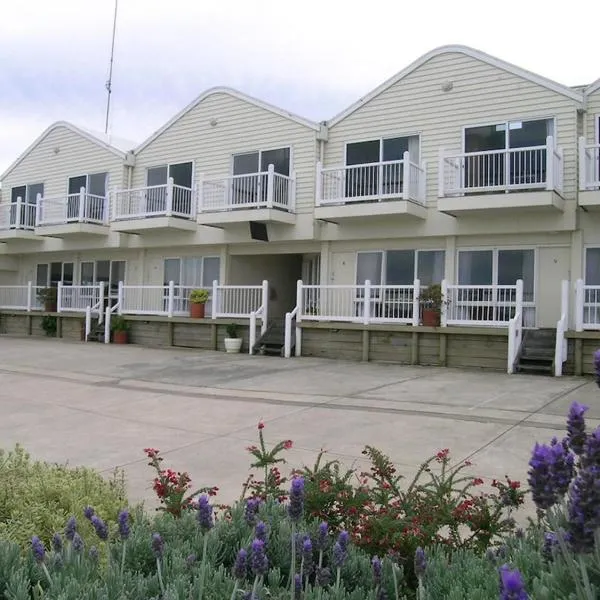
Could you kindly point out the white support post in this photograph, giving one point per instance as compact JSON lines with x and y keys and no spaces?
{"x":120,"y":297}
{"x":406,"y":179}
{"x":319,"y":187}
{"x":169,"y":199}
{"x":29,"y":296}
{"x":215,"y":298}
{"x":105,"y":207}
{"x":564,"y":301}
{"x":441,"y":173}
{"x":17,"y":222}
{"x":367,"y":303}
{"x":415,"y":303}
{"x":107,"y":326}
{"x":171,"y":299}
{"x":292,"y":193}
{"x":88,"y":321}
{"x":265,"y":306}
{"x":101,"y":302}
{"x":200,"y":193}
{"x":423,"y":183}
{"x":582,"y":164}
{"x":550,"y":163}
{"x":444,"y":311}
{"x":519,"y":297}
{"x":38,"y":210}
{"x":380,"y":182}
{"x":81,"y":204}
{"x":579,"y":300}
{"x":270,"y":185}
{"x":506,"y":170}
{"x":59,"y":297}
{"x":300,"y":307}
{"x":287,"y":344}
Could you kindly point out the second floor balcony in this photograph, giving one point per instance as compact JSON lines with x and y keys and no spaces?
{"x":507,"y":179}
{"x":265,"y":196}
{"x":154,"y":208}
{"x":589,"y":175}
{"x":387,"y":188}
{"x":17,"y":221}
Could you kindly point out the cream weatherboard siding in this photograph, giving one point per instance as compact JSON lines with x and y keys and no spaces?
{"x":240,"y":127}
{"x":76,"y":156}
{"x":591,"y":118}
{"x":481,"y":94}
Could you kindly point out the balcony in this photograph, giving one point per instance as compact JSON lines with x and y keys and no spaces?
{"x":267,"y":197}
{"x":589,"y":175}
{"x":501,"y":180}
{"x":17,"y":221}
{"x":72,"y":215}
{"x":384,"y":189}
{"x":155,"y":208}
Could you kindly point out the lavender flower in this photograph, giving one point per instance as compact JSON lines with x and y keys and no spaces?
{"x":205,"y":513}
{"x":584,"y":509}
{"x":251,"y":510}
{"x":77,"y":543}
{"x":57,"y":543}
{"x":420,"y":562}
{"x":541,"y":477}
{"x":307,"y":556}
{"x":71,"y":528}
{"x":591,"y":449}
{"x":343,"y":540}
{"x":511,"y":585}
{"x":123,"y":520}
{"x":37,"y":547}
{"x":88,"y":512}
{"x":376,"y":565}
{"x":260,"y":532}
{"x":323,"y":577}
{"x":576,"y":427}
{"x":158,"y":545}
{"x":297,"y":587}
{"x":296,"y":505}
{"x":94,"y":554}
{"x":322,"y":537}
{"x":240,"y":567}
{"x":563,"y":466}
{"x":597,"y":366}
{"x":259,"y":561}
{"x":100,"y":527}
{"x":339,"y":555}
{"x":550,"y":543}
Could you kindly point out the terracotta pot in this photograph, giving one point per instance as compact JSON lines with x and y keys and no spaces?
{"x":431,"y":317}
{"x":120,"y":337}
{"x":197,"y":310}
{"x":50,"y":306}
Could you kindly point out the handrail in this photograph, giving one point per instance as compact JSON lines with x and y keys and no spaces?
{"x":259,"y":312}
{"x":110,"y":310}
{"x":287,"y":346}
{"x":515,"y":329}
{"x":561,"y":347}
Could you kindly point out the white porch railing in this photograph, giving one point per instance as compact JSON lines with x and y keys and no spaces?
{"x":154,"y":201}
{"x":78,"y":298}
{"x":390,"y":180}
{"x":589,"y":165}
{"x":255,"y":190}
{"x":238,"y":301}
{"x":20,"y":297}
{"x":587,"y":306}
{"x":515,"y":330}
{"x":17,"y":215}
{"x":262,"y":313}
{"x":72,"y":208}
{"x":561,"y":348}
{"x":534,"y":167}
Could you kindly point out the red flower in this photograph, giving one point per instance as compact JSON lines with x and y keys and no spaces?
{"x":478,"y":481}
{"x":261,"y":425}
{"x":251,"y":448}
{"x":468,"y":463}
{"x":151,"y":452}
{"x":442,"y":454}
{"x":287,"y":444}
{"x":515,"y":485}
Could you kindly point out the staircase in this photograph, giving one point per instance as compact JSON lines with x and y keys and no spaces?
{"x":97,"y":332}
{"x":271,"y":343}
{"x":537,"y":352}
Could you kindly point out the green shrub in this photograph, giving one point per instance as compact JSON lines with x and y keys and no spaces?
{"x":37,"y":498}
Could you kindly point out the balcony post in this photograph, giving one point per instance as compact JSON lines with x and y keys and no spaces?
{"x":105,"y":206}
{"x":270,"y":185}
{"x":81,"y":204}
{"x":59,"y":297}
{"x":169,"y":206}
{"x":415,"y":303}
{"x":300,"y":307}
{"x":265,"y":305}
{"x":579,"y":300}
{"x":550,"y":163}
{"x":379,"y":181}
{"x":406,"y":176}
{"x":200,"y":193}
{"x":444,"y":312}
{"x":38,"y":210}
{"x":441,"y":173}
{"x":18,"y":213}
{"x":215,"y":299}
{"x":171,"y":299}
{"x":29,"y":296}
{"x":367,"y":303}
{"x":319,"y":189}
{"x":292,"y":193}
{"x":582,"y":164}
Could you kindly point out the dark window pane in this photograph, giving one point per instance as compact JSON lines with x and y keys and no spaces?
{"x":33,"y":191}
{"x":360,"y":153}
{"x":400,"y":267}
{"x":368,"y":267}
{"x":394,"y":148}
{"x":102,"y":271}
{"x":210,"y":270}
{"x":67,"y":273}
{"x":181,"y":174}
{"x":172,"y":270}
{"x":86,"y":273}
{"x":488,"y":137}
{"x":244,"y":164}
{"x":76,"y":183}
{"x":475,"y":267}
{"x":517,"y":264}
{"x":156,"y":176}
{"x":522,"y":134}
{"x":592,"y":266}
{"x":430,"y":266}
{"x":280,"y":159}
{"x":117,"y":273}
{"x":97,"y":184}
{"x":55,"y":273}
{"x":41,"y":276}
{"x":18,"y":192}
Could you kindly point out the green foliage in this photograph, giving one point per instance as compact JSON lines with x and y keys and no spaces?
{"x":37,"y":498}
{"x":118,"y":323}
{"x":232,"y":330}
{"x":49,"y":325}
{"x":199,"y":296}
{"x":47,"y":295}
{"x":432,"y":297}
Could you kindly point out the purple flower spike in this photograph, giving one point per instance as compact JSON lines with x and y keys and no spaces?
{"x":57,"y":543}
{"x":71,"y":528}
{"x":339,"y":555}
{"x":94,"y":555}
{"x":307,"y":555}
{"x":123,"y":520}
{"x":251,"y":510}
{"x":88,"y":512}
{"x":100,"y":527}
{"x":322,"y":536}
{"x":511,"y":585}
{"x":343,"y":540}
{"x":296,"y":505}
{"x":297,"y":587}
{"x":563,"y":467}
{"x":591,"y":449}
{"x":376,"y":565}
{"x":576,"y":427}
{"x":260,"y":532}
{"x":323,"y":577}
{"x":259,"y":561}
{"x":240,"y":567}
{"x":584,"y":509}
{"x":597,"y":366}
{"x":550,"y":543}
{"x":420,"y":562}
{"x":77,"y":543}
{"x":541,"y":477}
{"x":205,"y":513}
{"x":37,"y":547}
{"x":158,"y":545}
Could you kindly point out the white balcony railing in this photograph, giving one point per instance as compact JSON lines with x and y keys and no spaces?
{"x":238,"y":301}
{"x":534,"y":167}
{"x":255,"y":190}
{"x":17,"y":215}
{"x":589,"y":165}
{"x":78,"y":298}
{"x":167,"y":200}
{"x":390,"y":180}
{"x":72,"y":208}
{"x":587,"y":306}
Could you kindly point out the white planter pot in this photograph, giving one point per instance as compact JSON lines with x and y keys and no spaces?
{"x":233,"y":345}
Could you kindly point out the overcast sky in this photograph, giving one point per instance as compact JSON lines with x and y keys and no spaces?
{"x":313,"y":57}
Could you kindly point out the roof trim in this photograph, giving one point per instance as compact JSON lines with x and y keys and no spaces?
{"x":74,"y":129}
{"x":593,"y":87}
{"x":236,"y":94}
{"x":473,"y":53}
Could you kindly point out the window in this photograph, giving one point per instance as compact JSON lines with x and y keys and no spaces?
{"x":400,"y":267}
{"x":182,"y":175}
{"x":25,"y":217}
{"x":189,"y":273}
{"x":51,"y":274}
{"x":27,"y":193}
{"x":592,"y":266}
{"x":109,"y":272}
{"x":95,"y":185}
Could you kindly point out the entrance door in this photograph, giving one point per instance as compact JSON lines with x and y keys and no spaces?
{"x":554,"y":266}
{"x":75,"y":185}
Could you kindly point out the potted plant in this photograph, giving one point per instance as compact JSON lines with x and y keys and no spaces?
{"x":431,"y":301}
{"x":198,"y":300}
{"x":48,"y":297}
{"x":120,"y":330}
{"x":233,"y":342}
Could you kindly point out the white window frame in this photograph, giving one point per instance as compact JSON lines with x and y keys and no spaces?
{"x":381,"y":139}
{"x":87,"y":181}
{"x":259,"y":152}
{"x":62,"y":270}
{"x":169,"y":165}
{"x":27,"y":199}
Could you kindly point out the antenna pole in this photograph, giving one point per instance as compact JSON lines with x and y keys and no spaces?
{"x":110,"y":69}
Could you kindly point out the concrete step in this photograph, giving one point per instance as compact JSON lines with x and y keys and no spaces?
{"x":539,"y":365}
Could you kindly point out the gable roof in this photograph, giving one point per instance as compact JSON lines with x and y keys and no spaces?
{"x":476,"y":54}
{"x":235,"y":94}
{"x":593,"y":87}
{"x":117,"y":146}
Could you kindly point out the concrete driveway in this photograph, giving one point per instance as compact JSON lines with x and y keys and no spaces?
{"x":100,"y":405}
